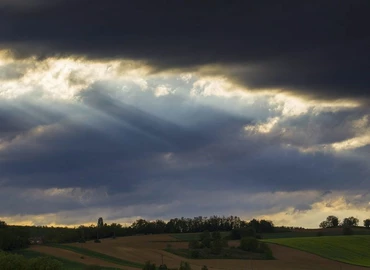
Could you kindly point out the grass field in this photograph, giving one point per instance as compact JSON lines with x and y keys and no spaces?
{"x":348,"y":249}
{"x":313,"y":233}
{"x":67,"y":264}
{"x":94,"y":254}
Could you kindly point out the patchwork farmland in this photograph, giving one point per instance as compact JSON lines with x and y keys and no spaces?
{"x":290,"y":253}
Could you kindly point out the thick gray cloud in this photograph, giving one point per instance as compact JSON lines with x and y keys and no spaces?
{"x":169,"y":136}
{"x":318,"y":48}
{"x":112,"y":153}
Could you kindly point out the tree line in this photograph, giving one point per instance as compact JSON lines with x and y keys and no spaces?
{"x":15,"y":237}
{"x":333,"y":222}
{"x":199,"y":224}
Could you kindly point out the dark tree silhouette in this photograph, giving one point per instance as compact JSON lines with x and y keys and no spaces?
{"x":350,"y":222}
{"x":330,"y":222}
{"x":367,"y":223}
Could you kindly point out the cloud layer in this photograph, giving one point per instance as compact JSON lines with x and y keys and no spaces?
{"x":315,"y":49}
{"x":111,"y":138}
{"x":157,"y":110}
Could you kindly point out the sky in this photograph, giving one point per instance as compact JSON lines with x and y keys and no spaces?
{"x":164,"y":109}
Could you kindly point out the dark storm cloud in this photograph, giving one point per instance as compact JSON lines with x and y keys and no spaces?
{"x":106,"y":142}
{"x":318,"y":48}
{"x":118,"y":154}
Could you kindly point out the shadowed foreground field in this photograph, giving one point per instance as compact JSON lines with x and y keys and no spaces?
{"x":70,"y":261}
{"x":347,"y":249}
{"x":138,"y":249}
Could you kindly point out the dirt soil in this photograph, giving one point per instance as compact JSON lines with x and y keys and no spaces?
{"x":150,"y":247}
{"x":73,"y":256}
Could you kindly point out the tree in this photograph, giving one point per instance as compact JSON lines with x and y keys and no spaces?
{"x":350,"y":222}
{"x":330,"y":222}
{"x":216,"y":235}
{"x":12,"y":261}
{"x":255,"y":224}
{"x":195,"y":244}
{"x":266,"y":226}
{"x":367,"y":223}
{"x":44,"y":263}
{"x":216,"y":246}
{"x":194,"y":254}
{"x":149,"y":266}
{"x":98,"y":228}
{"x":100,"y":222}
{"x":237,"y":234}
{"x":265,"y":249}
{"x":324,"y":224}
{"x":249,"y":244}
{"x":333,"y":221}
{"x":184,"y":266}
{"x":206,"y":239}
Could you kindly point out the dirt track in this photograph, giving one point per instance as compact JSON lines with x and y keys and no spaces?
{"x":144,"y":248}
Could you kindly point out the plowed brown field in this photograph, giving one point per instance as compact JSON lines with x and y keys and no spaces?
{"x":150,"y":247}
{"x":73,"y":256}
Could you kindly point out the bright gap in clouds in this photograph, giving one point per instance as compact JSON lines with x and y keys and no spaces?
{"x":169,"y":133}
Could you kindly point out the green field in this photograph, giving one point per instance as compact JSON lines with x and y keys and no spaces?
{"x":347,"y":249}
{"x":87,"y":252}
{"x":67,"y":264}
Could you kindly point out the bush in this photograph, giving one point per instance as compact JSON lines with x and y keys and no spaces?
{"x":149,"y":266}
{"x":97,"y":241}
{"x":249,"y":244}
{"x":347,"y":231}
{"x":265,"y":249}
{"x":218,"y":245}
{"x":184,"y":266}
{"x":194,"y":254}
{"x":195,"y":244}
{"x":319,"y":234}
{"x":162,"y":267}
{"x":19,"y":262}
{"x":44,"y":263}
{"x":206,"y":239}
{"x":12,"y":261}
{"x":237,"y":234}
{"x":205,"y":235}
{"x":204,"y":267}
{"x":216,"y":235}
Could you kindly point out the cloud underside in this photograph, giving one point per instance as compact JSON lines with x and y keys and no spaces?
{"x":218,"y":114}
{"x":314,"y":49}
{"x":110,"y":136}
